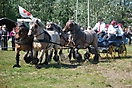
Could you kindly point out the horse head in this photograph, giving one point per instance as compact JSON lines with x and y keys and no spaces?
{"x":21,"y":31}
{"x":70,"y":26}
{"x":35,"y":25}
{"x":50,"y":26}
{"x":53,"y":27}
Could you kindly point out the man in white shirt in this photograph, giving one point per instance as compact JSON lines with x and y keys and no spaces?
{"x":99,"y":27}
{"x":111,"y":28}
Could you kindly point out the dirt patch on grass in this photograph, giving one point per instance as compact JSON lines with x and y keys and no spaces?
{"x":118,"y":74}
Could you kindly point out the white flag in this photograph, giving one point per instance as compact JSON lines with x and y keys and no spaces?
{"x":24,"y":13}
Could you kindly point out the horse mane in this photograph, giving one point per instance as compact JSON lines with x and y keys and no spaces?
{"x":57,"y":26}
{"x":76,"y":24}
{"x":36,"y":20}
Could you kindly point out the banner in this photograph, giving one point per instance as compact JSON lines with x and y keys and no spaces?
{"x":24,"y":13}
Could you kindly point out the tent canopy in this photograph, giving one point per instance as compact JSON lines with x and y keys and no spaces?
{"x":8,"y":22}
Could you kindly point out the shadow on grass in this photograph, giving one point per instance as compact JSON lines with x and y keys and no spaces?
{"x":127,"y":57}
{"x":75,"y":64}
{"x":116,"y":58}
{"x":61,"y":65}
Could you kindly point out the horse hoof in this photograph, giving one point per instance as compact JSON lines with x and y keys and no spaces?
{"x":16,"y":66}
{"x":38,"y":67}
{"x":35,"y":61}
{"x":79,"y":57}
{"x":86,"y":56}
{"x":95,"y":62}
{"x":49,"y":58}
{"x":96,"y":59}
{"x":46,"y":63}
{"x":56,"y":58}
{"x":58,"y":62}
{"x":28,"y":59}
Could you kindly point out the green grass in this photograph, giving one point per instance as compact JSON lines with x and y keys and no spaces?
{"x":107,"y":74}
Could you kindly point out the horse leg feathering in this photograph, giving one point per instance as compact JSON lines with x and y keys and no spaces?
{"x":17,"y":60}
{"x":27,"y":58}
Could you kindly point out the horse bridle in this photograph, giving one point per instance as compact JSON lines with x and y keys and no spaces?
{"x":20,"y":40}
{"x":44,"y":32}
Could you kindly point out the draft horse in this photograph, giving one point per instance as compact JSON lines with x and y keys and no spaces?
{"x":22,"y":43}
{"x":43,"y":41}
{"x":64,"y":42}
{"x":82,"y":39}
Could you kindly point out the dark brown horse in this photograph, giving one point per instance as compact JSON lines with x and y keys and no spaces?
{"x":82,"y":39}
{"x":22,"y":43}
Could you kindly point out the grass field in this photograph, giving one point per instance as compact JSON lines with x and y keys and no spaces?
{"x":115,"y":73}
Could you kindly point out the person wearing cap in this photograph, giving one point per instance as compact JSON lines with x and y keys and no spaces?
{"x":111,"y":28}
{"x":5,"y":35}
{"x":114,"y":30}
{"x":99,"y":27}
{"x":106,"y":32}
{"x":119,"y":30}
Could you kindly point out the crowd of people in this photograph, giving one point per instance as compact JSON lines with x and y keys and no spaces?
{"x":4,"y":37}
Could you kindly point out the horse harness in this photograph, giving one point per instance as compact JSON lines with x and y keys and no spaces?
{"x":21,"y":41}
{"x":45,"y":39}
{"x":77,"y":36}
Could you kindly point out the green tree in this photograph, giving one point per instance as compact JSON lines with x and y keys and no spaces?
{"x":64,"y":10}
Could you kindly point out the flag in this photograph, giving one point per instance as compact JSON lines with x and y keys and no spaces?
{"x":24,"y":13}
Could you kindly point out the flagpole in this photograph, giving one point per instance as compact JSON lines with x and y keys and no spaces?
{"x":88,"y":12}
{"x":76,"y":9}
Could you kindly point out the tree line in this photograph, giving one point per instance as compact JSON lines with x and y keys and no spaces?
{"x":60,"y":11}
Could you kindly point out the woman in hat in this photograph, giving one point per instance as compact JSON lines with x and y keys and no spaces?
{"x":5,"y":35}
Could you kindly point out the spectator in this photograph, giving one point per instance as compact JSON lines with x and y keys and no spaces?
{"x":82,"y":28}
{"x":128,"y":33}
{"x":12,"y":36}
{"x":99,"y":28}
{"x":1,"y":40}
{"x":89,"y":28}
{"x":5,"y":35}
